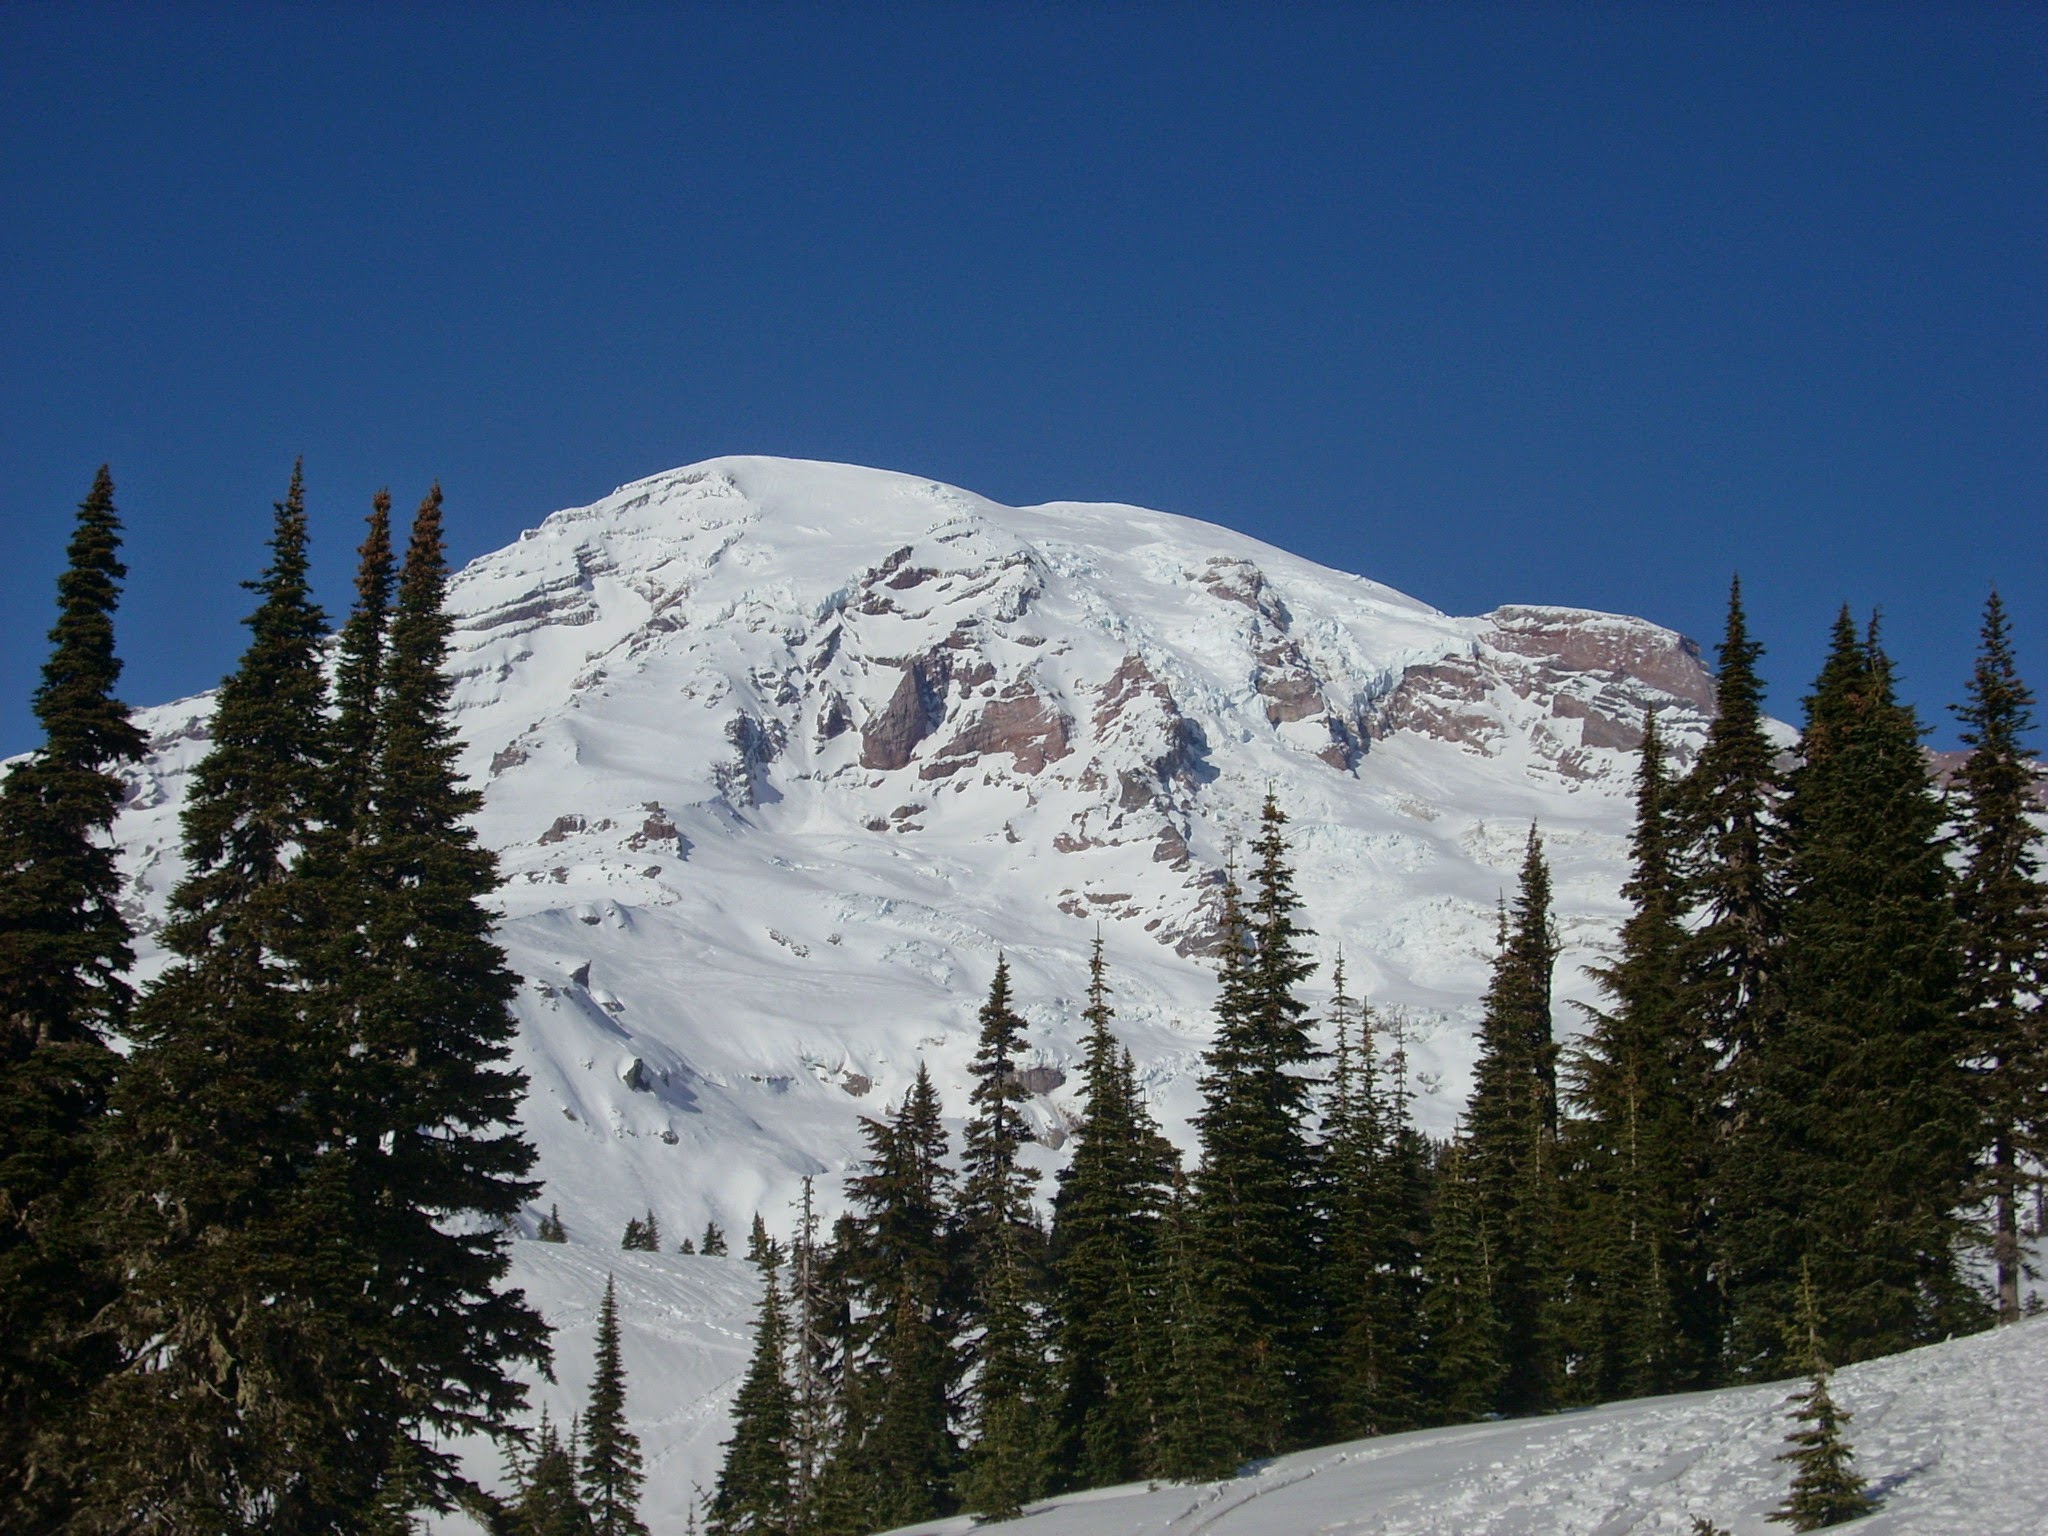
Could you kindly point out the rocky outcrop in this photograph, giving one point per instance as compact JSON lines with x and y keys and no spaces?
{"x":1021,"y":723}
{"x":914,"y":711}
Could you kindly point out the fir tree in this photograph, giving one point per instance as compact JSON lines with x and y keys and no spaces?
{"x":1512,"y":1144}
{"x":610,"y":1473}
{"x":1200,"y":1413}
{"x":64,"y":946}
{"x":1857,"y":1139}
{"x":1638,"y":1155}
{"x":2002,"y":908}
{"x":761,"y":1248}
{"x":1007,"y":1398}
{"x":756,"y":1491}
{"x":551,"y":1229}
{"x":643,"y":1234}
{"x":713,"y":1243}
{"x":1107,"y":1217}
{"x":1464,"y":1341}
{"x":1371,"y":1285}
{"x":425,"y":1103}
{"x":548,"y":1502}
{"x":1826,"y":1489}
{"x":235,"y":1408}
{"x":1256,"y":1233}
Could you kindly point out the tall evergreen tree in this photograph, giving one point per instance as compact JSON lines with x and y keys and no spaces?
{"x":1257,"y":1235}
{"x":1464,"y":1342}
{"x":610,"y":1474}
{"x":1512,"y":1145}
{"x":757,"y":1487}
{"x":64,"y":947}
{"x":1007,"y":1406}
{"x":1372,"y":1278}
{"x":1644,"y":1309}
{"x":897,"y":1449}
{"x":2002,"y":907}
{"x":236,"y":1408}
{"x":548,"y":1502}
{"x":1107,"y":1216}
{"x":1201,"y":1412}
{"x":1856,"y":1144}
{"x":424,"y":1104}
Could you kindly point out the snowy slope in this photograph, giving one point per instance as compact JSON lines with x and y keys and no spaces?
{"x":778,"y":755}
{"x":1949,"y":1439}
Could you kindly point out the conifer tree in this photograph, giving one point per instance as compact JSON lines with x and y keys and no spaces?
{"x":551,"y":1229}
{"x":1371,"y":1286}
{"x":756,"y":1491}
{"x":1106,"y":1253}
{"x":1464,"y":1341}
{"x":549,"y":1503}
{"x":610,"y":1472}
{"x":425,"y":1103}
{"x":64,"y":947}
{"x":713,"y":1243}
{"x":1512,"y":1144}
{"x":761,"y":1248}
{"x":234,"y":1408}
{"x":1257,"y":1235}
{"x":2002,"y":908}
{"x":1007,"y":1407}
{"x":1638,"y":1155}
{"x":1201,"y":1415}
{"x":1855,"y":1148}
{"x":1826,"y":1489}
{"x":897,"y":1457}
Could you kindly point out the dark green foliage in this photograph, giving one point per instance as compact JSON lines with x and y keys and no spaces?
{"x":1512,"y":1145}
{"x":643,"y":1234}
{"x":1007,"y":1407}
{"x":1643,"y":1314}
{"x":2002,"y":908}
{"x":1107,"y":1220}
{"x":1256,"y":1233}
{"x":610,"y":1473}
{"x":762,"y":1250}
{"x":896,"y":1456}
{"x":1826,"y":1489}
{"x":1201,"y":1408}
{"x":713,"y":1242}
{"x":63,"y":948}
{"x":359,"y":675}
{"x":548,"y":1503}
{"x":1372,"y":1279}
{"x":757,"y":1490}
{"x":1463,"y":1338}
{"x":238,"y":1406}
{"x":551,"y":1229}
{"x":1855,"y":1146}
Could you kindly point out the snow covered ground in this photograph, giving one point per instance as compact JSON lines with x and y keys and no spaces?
{"x":1953,"y":1440}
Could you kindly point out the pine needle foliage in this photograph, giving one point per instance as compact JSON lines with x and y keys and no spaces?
{"x":64,"y":947}
{"x":757,"y":1490}
{"x":1826,"y":1489}
{"x":610,"y":1474}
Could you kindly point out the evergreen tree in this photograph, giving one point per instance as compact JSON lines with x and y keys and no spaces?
{"x":1826,"y":1489}
{"x":714,"y":1240}
{"x":424,"y":1104}
{"x":1643,"y":1303}
{"x":1256,"y":1232}
{"x":1005,"y":1462}
{"x":761,"y":1248}
{"x":757,"y":1489}
{"x":1464,"y":1341}
{"x":1512,"y":1144}
{"x":610,"y":1473}
{"x":1107,"y":1217}
{"x":896,"y":1456}
{"x":551,"y":1229}
{"x":64,"y":947}
{"x":2002,"y":908}
{"x":548,"y":1502}
{"x":1856,"y":1144}
{"x":1200,"y":1408}
{"x":1371,"y":1285}
{"x":238,"y":1405}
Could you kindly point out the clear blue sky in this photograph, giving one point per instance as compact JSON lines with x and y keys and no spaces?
{"x":1575,"y":304}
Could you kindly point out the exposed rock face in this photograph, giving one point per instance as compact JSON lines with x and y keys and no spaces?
{"x":913,"y":712}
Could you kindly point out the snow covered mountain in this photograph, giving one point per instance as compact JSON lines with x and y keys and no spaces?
{"x":778,"y":755}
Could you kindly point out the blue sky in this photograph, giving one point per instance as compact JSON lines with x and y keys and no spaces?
{"x":1577,"y":304}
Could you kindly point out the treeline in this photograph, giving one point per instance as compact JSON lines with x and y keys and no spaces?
{"x":1819,"y":1072}
{"x":251,"y":1266}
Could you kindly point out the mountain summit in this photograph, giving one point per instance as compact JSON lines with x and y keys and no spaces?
{"x":778,"y":756}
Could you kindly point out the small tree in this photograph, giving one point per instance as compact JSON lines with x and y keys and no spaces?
{"x":713,"y":1244}
{"x":548,"y":1503}
{"x":551,"y":1229}
{"x":611,"y":1452}
{"x":1826,"y":1489}
{"x":643,"y":1235}
{"x":763,"y":1252}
